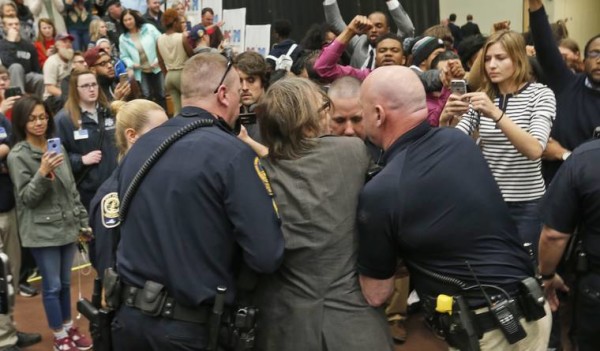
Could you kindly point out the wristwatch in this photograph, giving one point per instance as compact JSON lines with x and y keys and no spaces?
{"x":565,"y":155}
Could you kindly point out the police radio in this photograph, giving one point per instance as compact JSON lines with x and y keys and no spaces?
{"x":504,"y":316}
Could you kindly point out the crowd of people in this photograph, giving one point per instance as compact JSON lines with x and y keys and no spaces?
{"x":353,"y":173}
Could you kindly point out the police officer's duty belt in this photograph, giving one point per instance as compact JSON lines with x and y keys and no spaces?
{"x":167,"y":307}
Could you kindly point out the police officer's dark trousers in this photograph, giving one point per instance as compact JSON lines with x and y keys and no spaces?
{"x":133,"y":330}
{"x":588,"y":312}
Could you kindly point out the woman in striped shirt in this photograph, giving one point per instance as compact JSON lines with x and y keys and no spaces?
{"x":514,"y":118}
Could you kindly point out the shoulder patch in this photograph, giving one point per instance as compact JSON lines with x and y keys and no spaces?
{"x":262,"y":174}
{"x":110,"y":210}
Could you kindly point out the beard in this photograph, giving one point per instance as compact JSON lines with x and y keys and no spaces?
{"x":66,"y":54}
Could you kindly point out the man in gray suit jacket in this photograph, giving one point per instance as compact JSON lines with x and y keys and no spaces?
{"x":362,"y":48}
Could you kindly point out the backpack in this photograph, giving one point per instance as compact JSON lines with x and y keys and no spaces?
{"x":284,"y":61}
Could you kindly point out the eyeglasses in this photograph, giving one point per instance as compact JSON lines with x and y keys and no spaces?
{"x":88,"y":86}
{"x":326,"y":104}
{"x":41,"y":118}
{"x":229,"y":64}
{"x":594,"y":54}
{"x":104,"y":63}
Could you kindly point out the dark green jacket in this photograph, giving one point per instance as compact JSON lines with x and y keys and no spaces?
{"x":49,"y":212}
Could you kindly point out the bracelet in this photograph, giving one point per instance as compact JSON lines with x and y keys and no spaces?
{"x":501,"y":116}
{"x":548,"y":276}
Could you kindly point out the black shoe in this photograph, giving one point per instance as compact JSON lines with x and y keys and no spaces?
{"x":27,"y":339}
{"x":27,"y":290}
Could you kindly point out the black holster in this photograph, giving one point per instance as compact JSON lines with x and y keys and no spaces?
{"x":239,"y":330}
{"x":100,"y":318}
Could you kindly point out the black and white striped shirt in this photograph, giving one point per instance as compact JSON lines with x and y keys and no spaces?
{"x":533,"y":108}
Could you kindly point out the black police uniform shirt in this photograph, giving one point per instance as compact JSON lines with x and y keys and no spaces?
{"x":204,"y":199}
{"x":104,"y":221}
{"x":573,"y":199}
{"x":436,"y":204}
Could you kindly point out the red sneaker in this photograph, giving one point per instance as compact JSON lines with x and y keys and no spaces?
{"x":64,"y":344}
{"x":80,"y":340}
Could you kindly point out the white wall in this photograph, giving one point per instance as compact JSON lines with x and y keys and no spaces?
{"x":582,"y":17}
{"x":486,"y":12}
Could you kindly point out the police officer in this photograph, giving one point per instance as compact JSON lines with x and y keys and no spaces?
{"x":198,"y":212}
{"x":436,"y":205}
{"x":573,"y":202}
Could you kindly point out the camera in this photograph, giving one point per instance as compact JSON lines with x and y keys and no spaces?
{"x":597,"y":133}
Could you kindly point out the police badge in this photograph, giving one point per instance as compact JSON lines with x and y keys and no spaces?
{"x":110,"y":210}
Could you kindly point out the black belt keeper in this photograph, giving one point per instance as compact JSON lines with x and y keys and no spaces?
{"x":166,"y":306}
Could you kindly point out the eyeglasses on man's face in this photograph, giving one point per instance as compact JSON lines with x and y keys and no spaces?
{"x":88,"y":86}
{"x":229,"y":65}
{"x":42,"y":118}
{"x":593,"y":55}
{"x":105,"y":63}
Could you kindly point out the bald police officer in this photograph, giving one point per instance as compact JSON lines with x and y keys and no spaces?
{"x":201,"y":209}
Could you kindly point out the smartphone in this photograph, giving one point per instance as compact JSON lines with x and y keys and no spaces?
{"x":247,"y":118}
{"x":54,"y":145}
{"x":12,"y":91}
{"x":123,"y":77}
{"x":458,"y":87}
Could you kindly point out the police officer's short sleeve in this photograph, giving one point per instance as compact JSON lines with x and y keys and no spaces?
{"x":252,"y":213}
{"x":377,"y":250}
{"x":560,"y":205}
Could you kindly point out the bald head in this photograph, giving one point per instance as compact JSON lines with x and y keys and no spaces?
{"x":393,"y":102}
{"x":346,"y":116}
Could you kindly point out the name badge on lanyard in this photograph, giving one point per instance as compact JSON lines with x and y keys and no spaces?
{"x":81,"y":134}
{"x":3,"y":134}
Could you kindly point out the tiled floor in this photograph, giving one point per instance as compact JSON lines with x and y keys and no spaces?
{"x":30,"y":317}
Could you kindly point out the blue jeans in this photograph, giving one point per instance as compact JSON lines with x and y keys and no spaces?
{"x":526,"y":215}
{"x":81,"y":38}
{"x":55,"y":263}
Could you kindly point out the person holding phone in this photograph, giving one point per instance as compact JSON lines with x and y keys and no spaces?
{"x":513,"y":117}
{"x":7,"y":97}
{"x":50,"y":215}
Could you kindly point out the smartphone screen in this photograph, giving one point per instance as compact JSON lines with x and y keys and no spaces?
{"x":458,"y":87}
{"x":54,"y":145}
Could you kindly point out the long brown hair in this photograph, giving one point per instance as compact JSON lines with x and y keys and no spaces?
{"x":40,"y":36}
{"x":290,"y":118}
{"x":514,"y":44}
{"x":72,"y":103}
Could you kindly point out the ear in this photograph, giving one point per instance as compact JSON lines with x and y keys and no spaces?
{"x":131,"y":136}
{"x":380,"y":115}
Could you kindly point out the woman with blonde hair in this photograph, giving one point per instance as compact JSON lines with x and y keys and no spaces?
{"x":514,"y":118}
{"x":97,"y":31}
{"x":134,"y":119}
{"x":44,"y":44}
{"x":314,"y":301}
{"x":87,"y":130}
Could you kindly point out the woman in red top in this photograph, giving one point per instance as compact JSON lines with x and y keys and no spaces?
{"x":44,"y":43}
